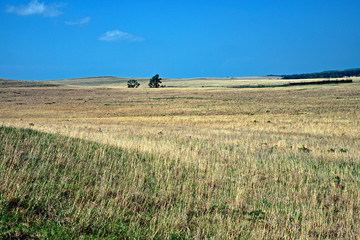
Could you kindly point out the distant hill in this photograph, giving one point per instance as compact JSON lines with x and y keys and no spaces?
{"x":121,"y":82}
{"x":115,"y":82}
{"x":326,"y":74}
{"x":5,"y":83}
{"x":96,"y":81}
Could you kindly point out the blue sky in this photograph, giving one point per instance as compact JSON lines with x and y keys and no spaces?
{"x":46,"y":39}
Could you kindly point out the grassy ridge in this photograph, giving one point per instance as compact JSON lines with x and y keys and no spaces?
{"x":97,"y":81}
{"x":27,"y":84}
{"x":61,"y":188}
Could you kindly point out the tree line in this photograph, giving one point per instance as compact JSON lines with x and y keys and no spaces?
{"x":326,"y":74}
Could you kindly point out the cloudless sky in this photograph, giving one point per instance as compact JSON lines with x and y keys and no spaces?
{"x":50,"y":39}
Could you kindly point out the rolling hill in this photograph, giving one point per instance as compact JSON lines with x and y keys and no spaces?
{"x":5,"y":83}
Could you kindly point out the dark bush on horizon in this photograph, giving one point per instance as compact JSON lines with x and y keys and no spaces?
{"x":133,"y":83}
{"x":155,"y":82}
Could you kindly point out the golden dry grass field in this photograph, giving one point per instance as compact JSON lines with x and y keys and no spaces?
{"x":225,"y":163}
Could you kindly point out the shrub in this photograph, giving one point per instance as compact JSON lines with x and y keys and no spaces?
{"x":133,"y":83}
{"x":331,"y":150}
{"x":304,"y":149}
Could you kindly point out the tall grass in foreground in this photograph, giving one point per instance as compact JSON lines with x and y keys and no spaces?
{"x":62,"y":188}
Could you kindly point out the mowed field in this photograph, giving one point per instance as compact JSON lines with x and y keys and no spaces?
{"x":195,"y":161}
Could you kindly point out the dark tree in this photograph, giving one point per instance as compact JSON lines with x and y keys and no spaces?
{"x":133,"y":83}
{"x":155,"y":81}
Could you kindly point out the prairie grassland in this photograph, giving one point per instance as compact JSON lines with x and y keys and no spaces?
{"x":203,"y":163}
